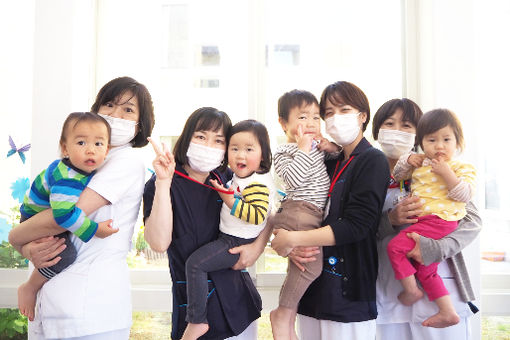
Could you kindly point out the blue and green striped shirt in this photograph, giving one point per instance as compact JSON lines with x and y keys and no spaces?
{"x":59,"y":187}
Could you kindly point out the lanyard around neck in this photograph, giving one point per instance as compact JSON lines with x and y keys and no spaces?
{"x":230,"y":192}
{"x":335,"y":178}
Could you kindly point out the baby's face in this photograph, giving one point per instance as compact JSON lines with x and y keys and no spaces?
{"x":306,"y":116}
{"x":86,"y":145}
{"x":440,"y":145}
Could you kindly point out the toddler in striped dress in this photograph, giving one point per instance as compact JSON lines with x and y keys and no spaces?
{"x":84,"y":143}
{"x":300,"y":165}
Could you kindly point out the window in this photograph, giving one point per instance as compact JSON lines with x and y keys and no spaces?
{"x":493,"y":120}
{"x":243,"y":63}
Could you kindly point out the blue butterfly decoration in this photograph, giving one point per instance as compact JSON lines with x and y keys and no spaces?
{"x":21,"y":151}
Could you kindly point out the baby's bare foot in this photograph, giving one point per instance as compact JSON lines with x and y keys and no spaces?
{"x":442,"y":319}
{"x":26,"y":300}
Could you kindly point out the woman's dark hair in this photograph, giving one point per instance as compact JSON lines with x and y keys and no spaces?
{"x":411,"y":113}
{"x":115,"y":89}
{"x":292,"y":99}
{"x":260,"y":132}
{"x":345,"y":93}
{"x":203,"y":119}
{"x":79,"y":117}
{"x":437,"y":119}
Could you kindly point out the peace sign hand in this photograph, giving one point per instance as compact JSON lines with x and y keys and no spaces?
{"x":164,"y":163}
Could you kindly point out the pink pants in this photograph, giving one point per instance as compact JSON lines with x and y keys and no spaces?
{"x":429,"y":226}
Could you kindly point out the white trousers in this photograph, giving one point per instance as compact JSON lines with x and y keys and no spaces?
{"x":313,"y":329}
{"x":118,"y":334}
{"x":250,"y":333}
{"x":415,"y":331}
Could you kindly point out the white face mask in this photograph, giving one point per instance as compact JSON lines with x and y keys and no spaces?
{"x":343,"y":128}
{"x":123,"y":130}
{"x":395,"y":143}
{"x":202,"y":158}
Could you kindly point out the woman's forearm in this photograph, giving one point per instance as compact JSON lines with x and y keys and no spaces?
{"x":36,"y":227}
{"x":448,"y":246}
{"x":159,"y":225}
{"x":323,"y":236}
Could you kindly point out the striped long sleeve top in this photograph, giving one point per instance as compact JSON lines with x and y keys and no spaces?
{"x":304,"y":175}
{"x":254,"y":200}
{"x":58,"y":187}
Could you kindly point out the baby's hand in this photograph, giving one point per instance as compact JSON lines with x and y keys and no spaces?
{"x":416,"y":160}
{"x":227,"y":198}
{"x":327,"y":146}
{"x":105,"y":229}
{"x":440,"y":167}
{"x":304,"y":141}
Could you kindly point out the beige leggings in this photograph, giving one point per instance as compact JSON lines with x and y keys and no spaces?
{"x":298,"y":216}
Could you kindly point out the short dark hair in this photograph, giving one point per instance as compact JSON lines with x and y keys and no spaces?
{"x":437,"y":119}
{"x":79,"y":117}
{"x":260,"y":132}
{"x":115,"y":89}
{"x":345,"y":93}
{"x":292,"y":99}
{"x":203,"y":119}
{"x":411,"y":113}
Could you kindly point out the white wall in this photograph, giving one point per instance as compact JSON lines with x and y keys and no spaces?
{"x":63,"y":76}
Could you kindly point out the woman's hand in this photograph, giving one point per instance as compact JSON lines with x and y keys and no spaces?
{"x":282,"y":242}
{"x":164,"y":163}
{"x":415,"y":253}
{"x":405,"y":211}
{"x":43,"y":252}
{"x":249,"y":253}
{"x":301,"y":255}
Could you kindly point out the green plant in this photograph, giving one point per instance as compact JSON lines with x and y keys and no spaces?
{"x":10,"y":258}
{"x":13,"y":325}
{"x":140,"y":243}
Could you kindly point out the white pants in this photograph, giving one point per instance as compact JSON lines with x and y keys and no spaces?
{"x":415,"y":331}
{"x":313,"y":329}
{"x":250,"y":333}
{"x":118,"y":334}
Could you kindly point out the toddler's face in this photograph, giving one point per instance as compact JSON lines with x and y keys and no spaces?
{"x":244,"y":154}
{"x":86,"y":145}
{"x":307,"y":116}
{"x":440,"y":145}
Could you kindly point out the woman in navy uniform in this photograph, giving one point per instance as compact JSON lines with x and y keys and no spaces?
{"x":340,"y":304}
{"x":181,"y":213}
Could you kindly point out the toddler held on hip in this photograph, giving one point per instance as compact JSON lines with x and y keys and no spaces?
{"x":300,"y":165}
{"x":84,"y":144}
{"x":243,"y":216}
{"x":444,"y":186}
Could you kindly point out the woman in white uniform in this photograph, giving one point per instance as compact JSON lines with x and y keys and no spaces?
{"x":92,"y":298}
{"x":394,"y":127}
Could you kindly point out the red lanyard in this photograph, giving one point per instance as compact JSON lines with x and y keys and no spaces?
{"x":393,"y":183}
{"x":205,"y":185}
{"x":333,"y":182}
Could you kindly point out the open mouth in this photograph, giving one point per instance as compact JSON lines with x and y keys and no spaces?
{"x":90,"y":162}
{"x":240,"y":166}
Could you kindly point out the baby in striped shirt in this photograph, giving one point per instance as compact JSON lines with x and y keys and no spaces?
{"x":84,"y":143}
{"x":300,"y":165}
